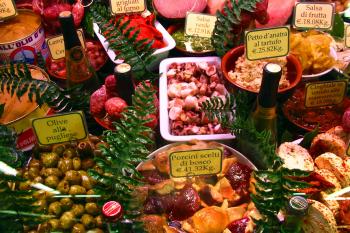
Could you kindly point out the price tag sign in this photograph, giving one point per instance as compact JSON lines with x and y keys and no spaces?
{"x":319,"y":94}
{"x":201,"y":25}
{"x":60,"y":128}
{"x":7,"y":9}
{"x":347,"y":36}
{"x":56,"y":45}
{"x":127,"y":6}
{"x":196,"y":162}
{"x":267,"y":43}
{"x":314,"y":15}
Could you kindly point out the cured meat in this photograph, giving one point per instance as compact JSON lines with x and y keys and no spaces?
{"x":278,"y":13}
{"x":178,"y":9}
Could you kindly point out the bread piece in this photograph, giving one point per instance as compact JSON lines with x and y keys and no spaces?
{"x":336,"y":165}
{"x":326,"y":142}
{"x":331,"y":178}
{"x":320,"y":219}
{"x":295,"y":157}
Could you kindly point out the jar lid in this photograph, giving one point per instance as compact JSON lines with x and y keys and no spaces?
{"x":298,"y":205}
{"x":112,"y":210}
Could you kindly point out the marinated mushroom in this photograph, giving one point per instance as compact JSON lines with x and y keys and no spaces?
{"x":33,"y":172}
{"x":55,"y":224}
{"x":51,"y":171}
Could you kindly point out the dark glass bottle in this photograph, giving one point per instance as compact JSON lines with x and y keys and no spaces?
{"x":296,"y":209}
{"x":265,"y":116}
{"x":125,"y":86}
{"x":79,"y":69}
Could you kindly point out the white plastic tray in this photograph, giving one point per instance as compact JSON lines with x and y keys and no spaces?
{"x":160,"y":54}
{"x":163,"y":100}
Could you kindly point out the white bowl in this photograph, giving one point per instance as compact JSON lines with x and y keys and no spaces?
{"x":307,"y":77}
{"x":163,"y":100}
{"x":160,"y":54}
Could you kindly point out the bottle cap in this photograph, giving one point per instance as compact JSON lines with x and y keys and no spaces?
{"x":122,"y":68}
{"x":297,"y":205}
{"x":112,"y":210}
{"x":267,"y":97}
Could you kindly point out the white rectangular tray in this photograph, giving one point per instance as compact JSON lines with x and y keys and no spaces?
{"x":160,"y":54}
{"x":163,"y":99}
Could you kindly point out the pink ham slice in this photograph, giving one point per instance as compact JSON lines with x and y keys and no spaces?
{"x":278,"y":12}
{"x":177,"y":9}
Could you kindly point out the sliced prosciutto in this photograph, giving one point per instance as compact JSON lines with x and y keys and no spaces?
{"x":278,"y":13}
{"x":177,"y":9}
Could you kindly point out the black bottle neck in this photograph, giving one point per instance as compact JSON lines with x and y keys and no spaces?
{"x":267,"y":97}
{"x":70,"y":35}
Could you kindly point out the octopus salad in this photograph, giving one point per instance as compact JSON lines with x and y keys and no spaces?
{"x":189,"y":85}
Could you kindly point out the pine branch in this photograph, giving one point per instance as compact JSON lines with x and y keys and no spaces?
{"x":127,"y":146}
{"x":17,"y":80}
{"x":119,"y":35}
{"x":223,"y":111}
{"x":224,"y":38}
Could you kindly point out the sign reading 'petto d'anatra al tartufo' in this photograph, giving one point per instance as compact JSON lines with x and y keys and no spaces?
{"x":267,"y":43}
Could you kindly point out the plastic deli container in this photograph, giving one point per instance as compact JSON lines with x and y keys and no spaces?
{"x":160,"y":54}
{"x":22,"y":37}
{"x":163,"y":100}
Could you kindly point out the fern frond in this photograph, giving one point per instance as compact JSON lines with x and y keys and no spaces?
{"x":127,"y":146}
{"x":123,"y":40}
{"x":224,"y":37}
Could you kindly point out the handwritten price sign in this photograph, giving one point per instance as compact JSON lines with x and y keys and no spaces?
{"x":195,"y":162}
{"x":267,"y":43}
{"x":314,"y":15}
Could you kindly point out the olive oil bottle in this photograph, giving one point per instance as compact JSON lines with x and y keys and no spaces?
{"x":79,"y":69}
{"x":125,"y":86}
{"x":265,"y":116}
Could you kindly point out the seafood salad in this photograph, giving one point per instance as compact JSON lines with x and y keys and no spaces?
{"x":189,"y":85}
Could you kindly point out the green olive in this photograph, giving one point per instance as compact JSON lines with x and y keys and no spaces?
{"x":78,"y":210}
{"x":82,"y":172}
{"x":76,"y":163}
{"x":25,"y":174}
{"x":49,"y":159}
{"x":77,"y":189}
{"x":34,"y":163}
{"x":40,"y":205}
{"x":51,"y":172}
{"x":63,"y":187}
{"x":78,"y":228}
{"x":52,"y":181}
{"x":66,"y":203}
{"x":38,"y":179}
{"x":65,"y":164}
{"x":55,"y":224}
{"x":69,"y":153}
{"x":73,"y":177}
{"x":58,"y":149}
{"x":67,"y":220}
{"x":87,"y":163}
{"x":95,"y":230}
{"x":55,"y":208}
{"x":99,"y":221}
{"x":86,"y":182}
{"x":25,"y":185}
{"x":90,"y":199}
{"x":33,"y":172}
{"x":44,"y":228}
{"x":92,"y":208}
{"x":88,"y":221}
